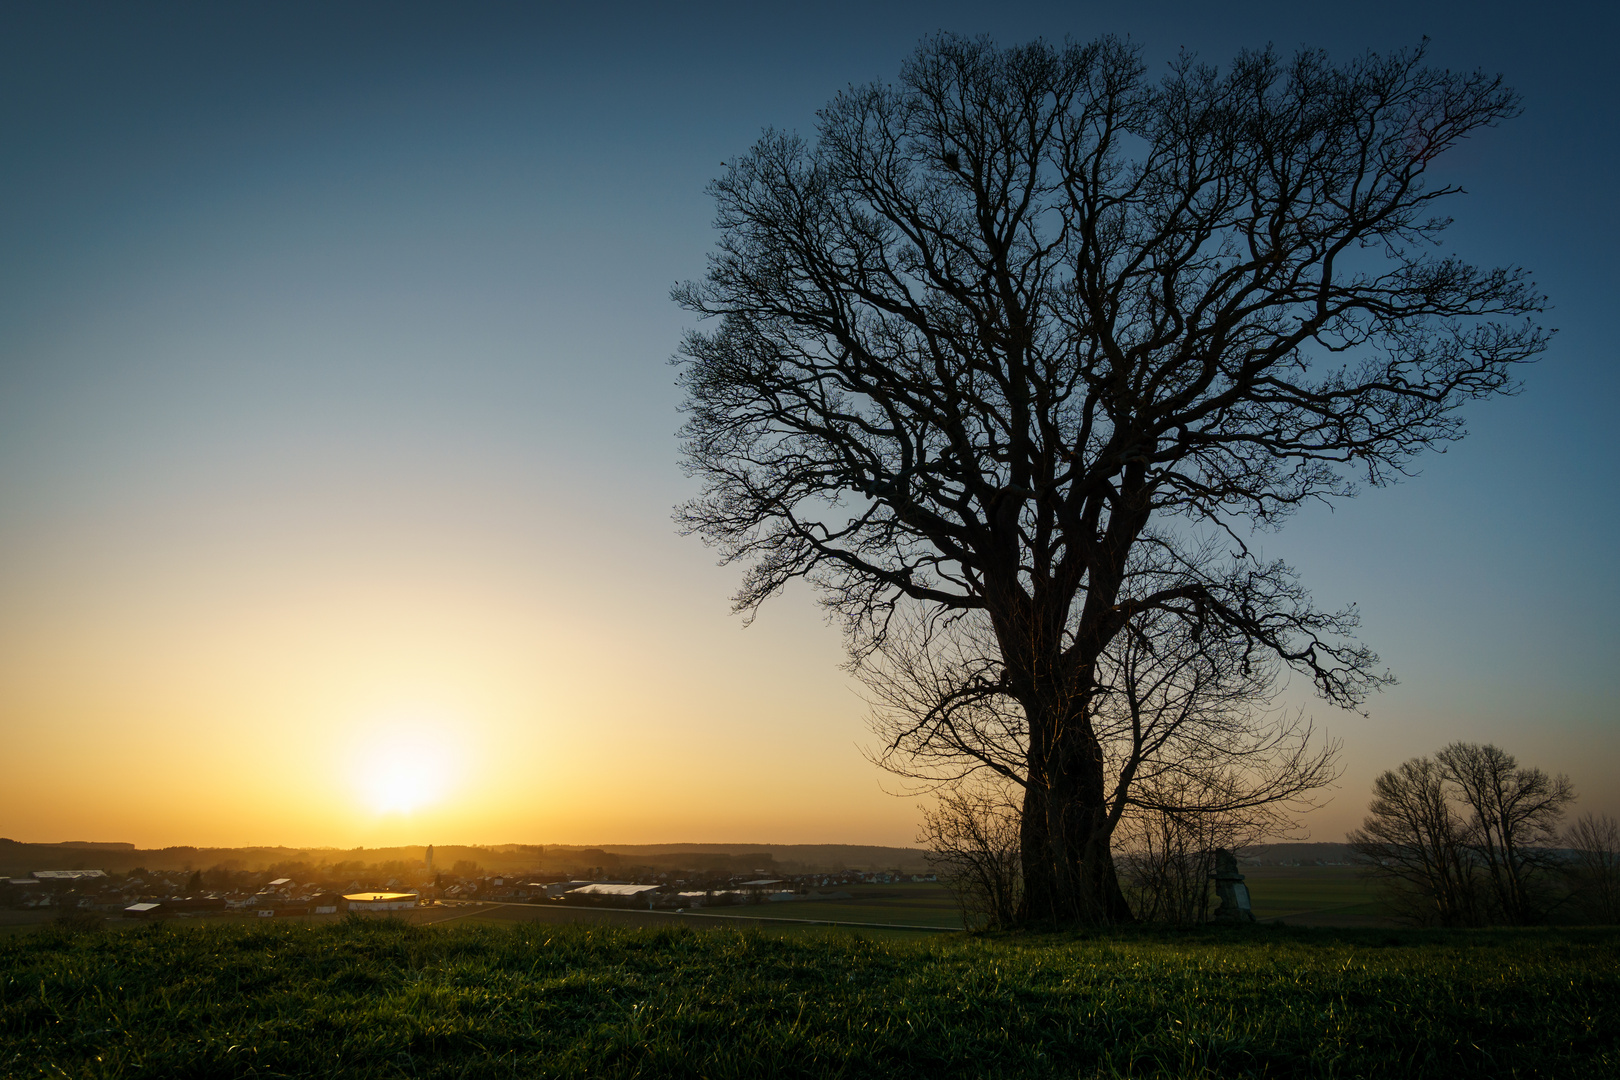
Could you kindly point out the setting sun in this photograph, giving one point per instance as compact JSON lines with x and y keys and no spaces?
{"x":402,"y":766}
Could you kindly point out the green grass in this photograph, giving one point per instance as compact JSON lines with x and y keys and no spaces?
{"x":373,"y":998}
{"x":1315,"y":894}
{"x":911,"y":903}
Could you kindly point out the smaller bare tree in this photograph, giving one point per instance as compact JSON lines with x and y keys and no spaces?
{"x":1413,"y":841}
{"x":972,"y":841}
{"x":1164,"y":866}
{"x":1167,"y":844}
{"x":1514,"y":817}
{"x":1166,"y":859}
{"x":1594,"y":873}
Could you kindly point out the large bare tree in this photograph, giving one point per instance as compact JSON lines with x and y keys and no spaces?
{"x":1003,"y":322}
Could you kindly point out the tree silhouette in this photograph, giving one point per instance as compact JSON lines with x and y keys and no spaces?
{"x":1010,"y":321}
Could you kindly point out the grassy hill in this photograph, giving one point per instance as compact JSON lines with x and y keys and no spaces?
{"x":368,"y":998}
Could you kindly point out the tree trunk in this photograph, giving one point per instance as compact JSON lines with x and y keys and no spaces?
{"x":1065,"y":840}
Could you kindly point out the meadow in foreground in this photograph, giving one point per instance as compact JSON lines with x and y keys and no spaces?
{"x":373,"y":998}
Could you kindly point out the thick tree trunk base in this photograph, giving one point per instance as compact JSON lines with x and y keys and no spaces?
{"x":1072,"y":883}
{"x":1098,"y":901}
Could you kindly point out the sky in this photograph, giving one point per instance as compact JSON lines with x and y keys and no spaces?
{"x":337,"y":435}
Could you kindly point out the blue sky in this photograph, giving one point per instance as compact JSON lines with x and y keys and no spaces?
{"x":333,"y":341}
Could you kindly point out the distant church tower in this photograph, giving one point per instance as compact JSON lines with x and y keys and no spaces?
{"x":430,"y":859}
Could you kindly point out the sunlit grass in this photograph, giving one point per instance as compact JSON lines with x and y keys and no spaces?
{"x":376,"y":998}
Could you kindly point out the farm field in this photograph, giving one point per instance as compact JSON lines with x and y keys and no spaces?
{"x":913,"y":910}
{"x":1314,"y":896}
{"x":909,"y":903}
{"x":899,"y":917}
{"x":1300,"y":896}
{"x":379,"y":997}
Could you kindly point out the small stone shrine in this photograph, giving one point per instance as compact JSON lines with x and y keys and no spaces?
{"x":1229,"y":887}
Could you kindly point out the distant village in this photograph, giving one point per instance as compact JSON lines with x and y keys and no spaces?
{"x":343,"y":888}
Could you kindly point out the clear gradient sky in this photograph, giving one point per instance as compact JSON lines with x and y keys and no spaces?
{"x":337,"y":442}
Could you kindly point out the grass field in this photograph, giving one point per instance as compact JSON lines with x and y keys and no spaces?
{"x":1301,"y":896}
{"x":912,"y":904}
{"x":898,"y":912}
{"x":1315,"y":896}
{"x":381,"y":998}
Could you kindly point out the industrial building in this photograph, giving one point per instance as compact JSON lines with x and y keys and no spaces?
{"x":615,"y":895}
{"x":381,"y":901}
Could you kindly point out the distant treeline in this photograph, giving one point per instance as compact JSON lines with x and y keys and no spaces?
{"x":17,"y":858}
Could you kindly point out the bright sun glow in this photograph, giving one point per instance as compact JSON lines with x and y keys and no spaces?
{"x":403,"y":766}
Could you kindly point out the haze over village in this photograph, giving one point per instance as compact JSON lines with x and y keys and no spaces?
{"x":309,"y":883}
{"x":726,"y":880}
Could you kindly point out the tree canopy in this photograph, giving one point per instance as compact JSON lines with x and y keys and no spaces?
{"x":1006,"y":334}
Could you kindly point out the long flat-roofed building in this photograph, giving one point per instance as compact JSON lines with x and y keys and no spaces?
{"x":68,"y":875}
{"x":613,"y":895}
{"x":381,"y":901}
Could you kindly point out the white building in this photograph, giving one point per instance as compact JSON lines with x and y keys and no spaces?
{"x":602,"y":892}
{"x":67,"y":875}
{"x":381,"y":901}
{"x":557,"y":888}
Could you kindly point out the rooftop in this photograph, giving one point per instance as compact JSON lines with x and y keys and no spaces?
{"x":601,"y":889}
{"x":379,"y":897}
{"x":67,"y":875}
